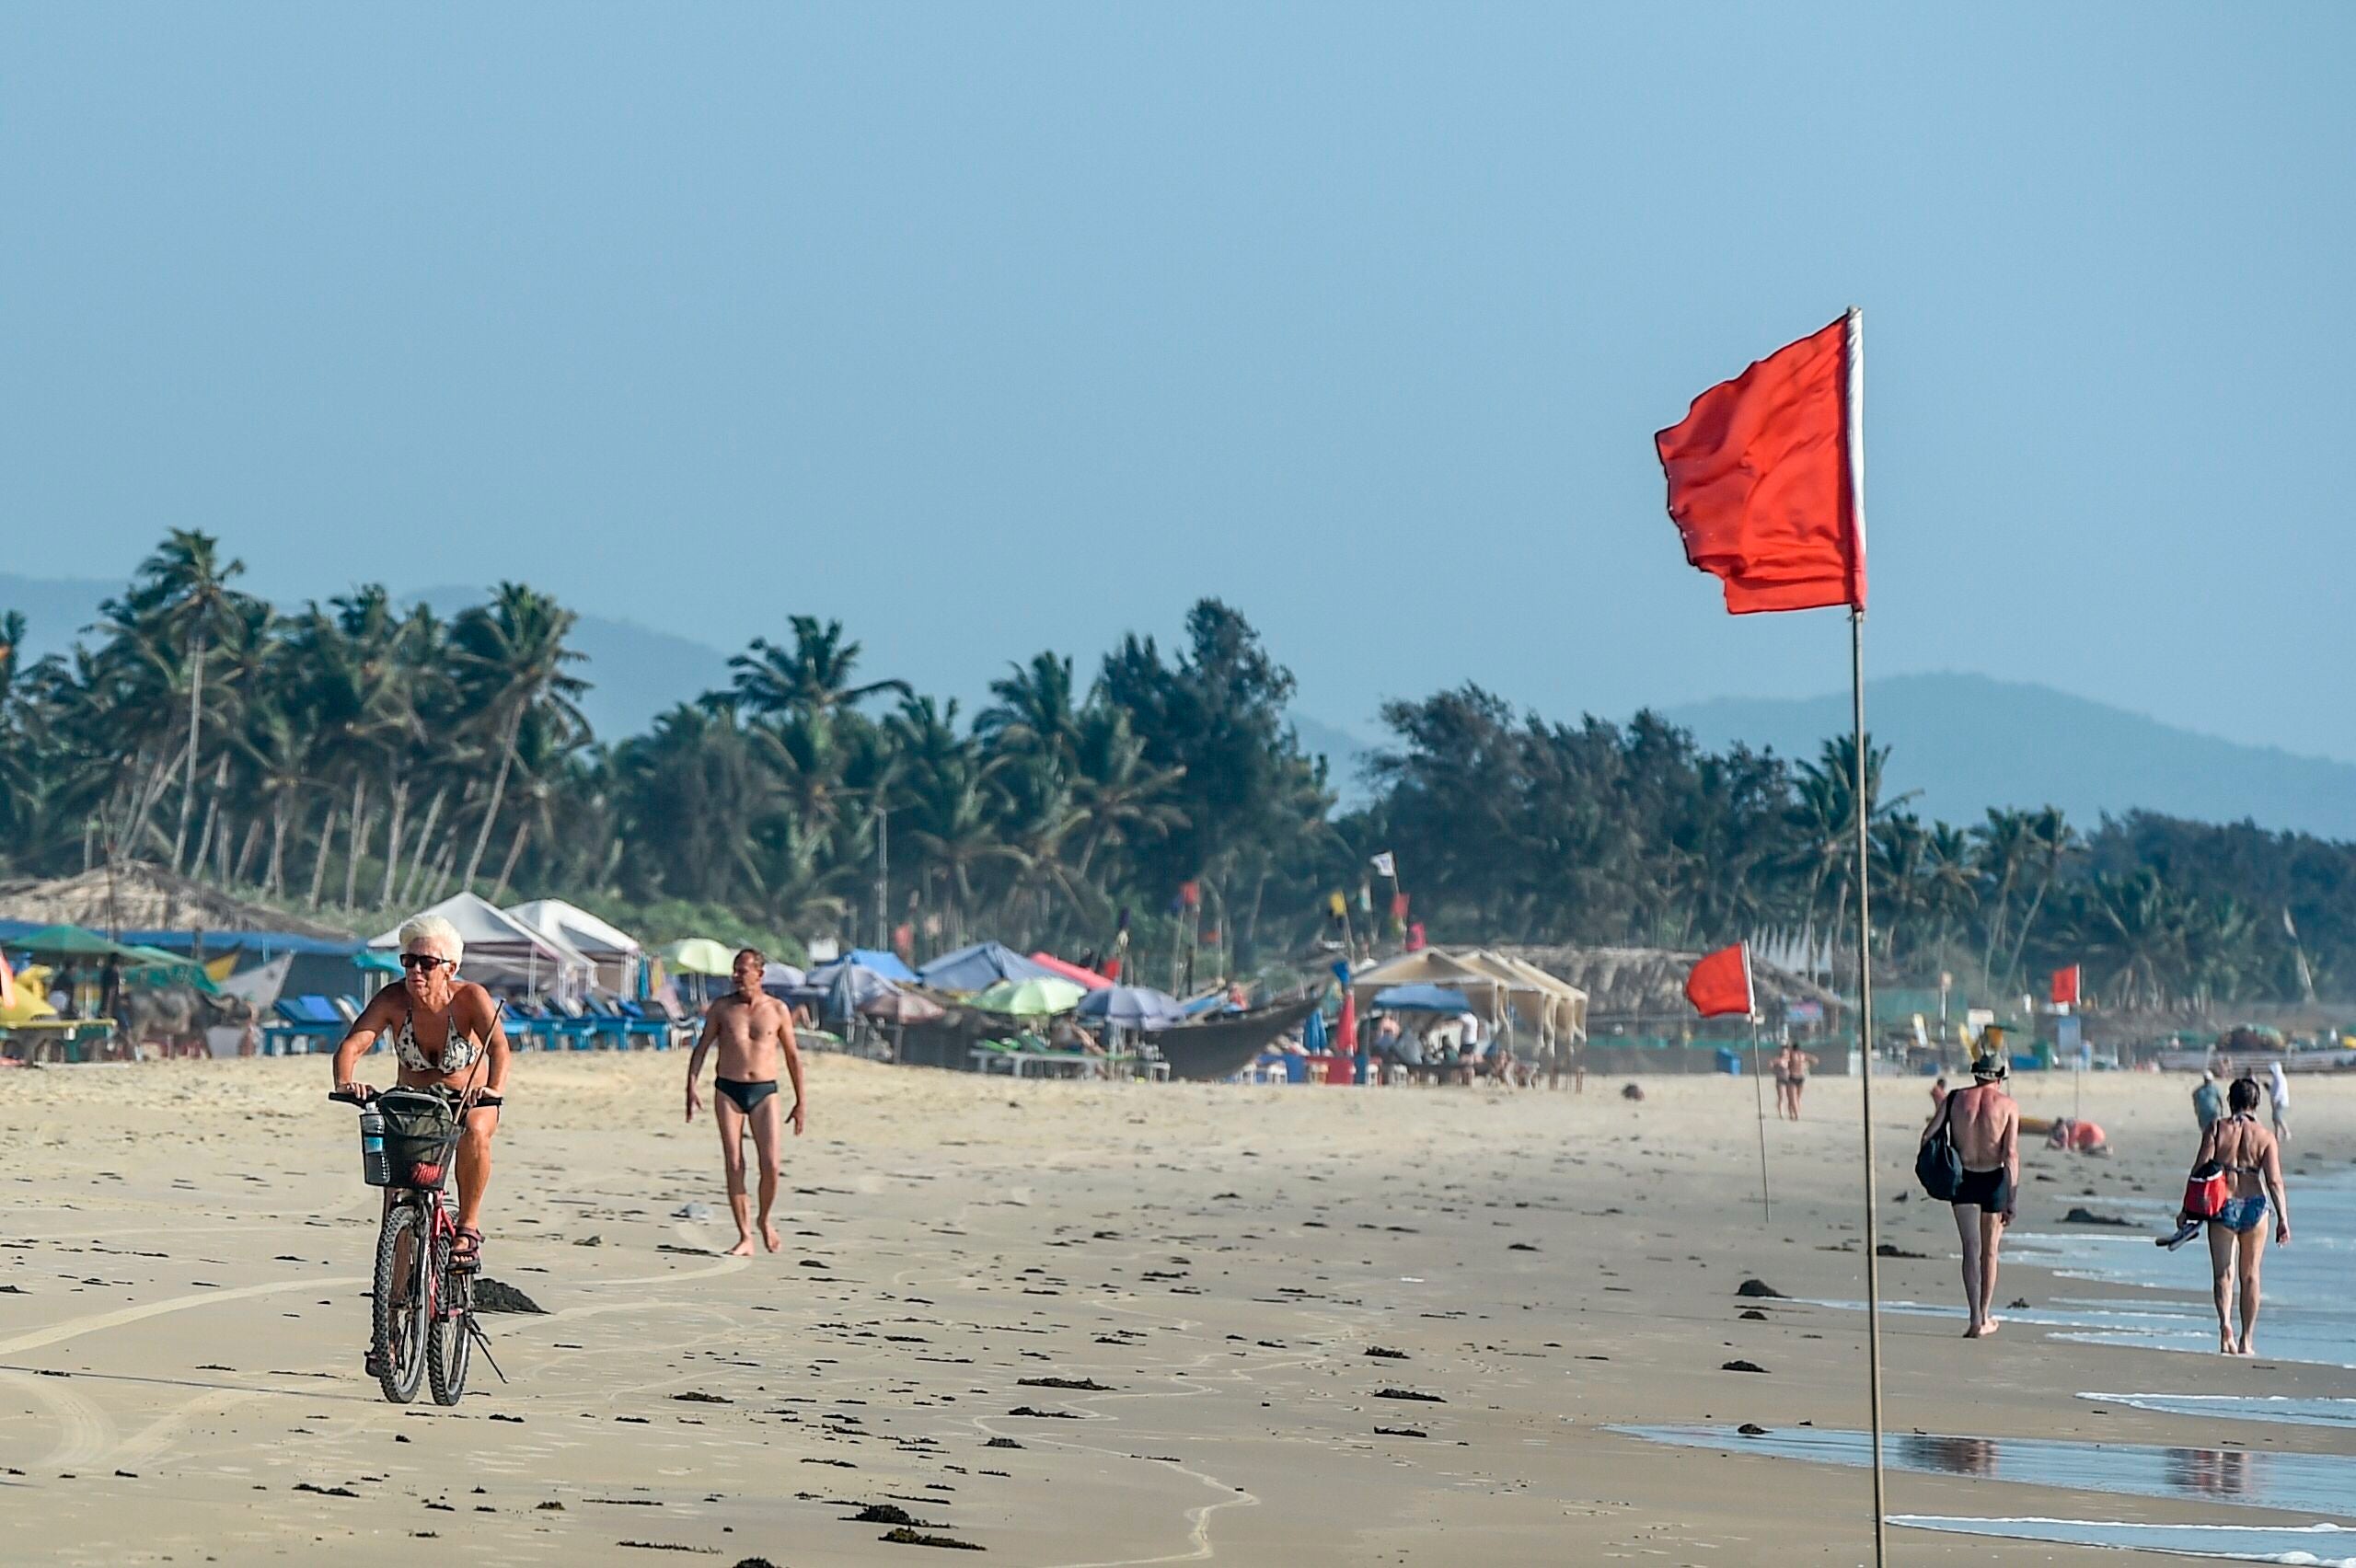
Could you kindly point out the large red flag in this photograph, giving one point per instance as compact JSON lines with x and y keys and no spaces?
{"x":1760,"y":481}
{"x":2065,"y":986}
{"x":1720,"y":983}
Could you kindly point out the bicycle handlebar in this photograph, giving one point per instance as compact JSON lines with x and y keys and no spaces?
{"x":352,"y":1098}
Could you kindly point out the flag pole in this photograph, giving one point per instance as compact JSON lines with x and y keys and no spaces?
{"x":1757,"y":1092}
{"x":1854,"y":341}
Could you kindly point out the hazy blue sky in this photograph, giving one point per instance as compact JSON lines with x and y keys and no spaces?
{"x":987,"y":328}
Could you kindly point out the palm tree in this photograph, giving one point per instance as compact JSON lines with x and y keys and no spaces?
{"x":2005,"y":848}
{"x":280,"y":747}
{"x":1033,"y":714}
{"x":1952,"y":886}
{"x":182,"y":597}
{"x":2050,"y":840}
{"x":1121,"y":796}
{"x":950,"y":805}
{"x":512,"y":659}
{"x":810,"y":678}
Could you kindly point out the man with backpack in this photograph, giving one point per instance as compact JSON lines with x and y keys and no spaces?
{"x":1984,"y":1125}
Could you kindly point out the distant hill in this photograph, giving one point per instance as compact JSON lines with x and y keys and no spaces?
{"x":1343,"y":753}
{"x":1968,"y":743}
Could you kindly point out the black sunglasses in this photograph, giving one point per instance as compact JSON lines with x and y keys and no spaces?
{"x":426,"y":962}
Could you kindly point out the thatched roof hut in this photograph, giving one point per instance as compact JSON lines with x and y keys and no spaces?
{"x":1628,"y":986}
{"x":137,"y":896}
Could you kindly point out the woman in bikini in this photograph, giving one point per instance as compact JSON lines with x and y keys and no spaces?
{"x":2253,"y":1163}
{"x":1791,"y":1080}
{"x":445,"y":1034}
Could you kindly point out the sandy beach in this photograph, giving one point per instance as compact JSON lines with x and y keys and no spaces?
{"x":182,"y":1314}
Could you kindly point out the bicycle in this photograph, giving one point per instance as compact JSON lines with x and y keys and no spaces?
{"x":427,"y":1332}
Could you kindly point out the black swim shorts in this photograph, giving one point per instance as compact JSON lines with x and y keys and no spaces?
{"x":1989,"y":1190}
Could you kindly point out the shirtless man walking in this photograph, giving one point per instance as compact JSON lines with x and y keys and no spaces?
{"x":1986,"y":1124}
{"x":752,"y":1028}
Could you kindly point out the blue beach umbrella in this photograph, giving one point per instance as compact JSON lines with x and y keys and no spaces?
{"x":1132,"y":1006}
{"x":1421,"y":998}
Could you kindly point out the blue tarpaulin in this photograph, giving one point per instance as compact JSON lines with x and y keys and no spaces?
{"x":888,"y":964}
{"x":853,"y":987}
{"x":1422,"y":998}
{"x":980,"y":966}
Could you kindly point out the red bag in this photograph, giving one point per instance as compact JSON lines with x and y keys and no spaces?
{"x":2205,"y":1192}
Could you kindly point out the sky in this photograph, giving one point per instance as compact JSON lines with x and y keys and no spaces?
{"x":989,"y":328}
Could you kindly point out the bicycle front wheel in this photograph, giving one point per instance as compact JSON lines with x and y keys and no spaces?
{"x":449,"y":1343}
{"x":402,"y":1313}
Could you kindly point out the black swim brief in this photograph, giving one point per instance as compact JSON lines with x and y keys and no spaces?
{"x":1990,"y":1190}
{"x":743,"y":1095}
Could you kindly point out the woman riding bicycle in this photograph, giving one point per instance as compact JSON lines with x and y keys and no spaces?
{"x":445,"y":1035}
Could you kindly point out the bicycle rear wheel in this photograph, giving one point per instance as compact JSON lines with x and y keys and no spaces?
{"x":401,"y":1313}
{"x":449,"y":1345}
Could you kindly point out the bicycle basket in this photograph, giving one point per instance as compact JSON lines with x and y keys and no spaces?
{"x":420,"y":1134}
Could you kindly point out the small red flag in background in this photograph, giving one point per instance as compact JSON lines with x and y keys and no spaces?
{"x":2065,"y":986}
{"x":1720,"y":983}
{"x":7,"y":983}
{"x":1758,"y":481}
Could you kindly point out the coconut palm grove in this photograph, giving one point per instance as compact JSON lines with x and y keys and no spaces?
{"x":353,"y":757}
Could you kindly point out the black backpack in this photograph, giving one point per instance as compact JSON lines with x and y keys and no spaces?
{"x":1937,"y":1165}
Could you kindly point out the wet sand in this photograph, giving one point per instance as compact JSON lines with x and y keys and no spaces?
{"x":182,"y":1249}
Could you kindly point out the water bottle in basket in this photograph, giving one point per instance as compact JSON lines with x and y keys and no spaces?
{"x":375,"y":1167}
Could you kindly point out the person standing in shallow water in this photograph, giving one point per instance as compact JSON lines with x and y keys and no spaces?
{"x":2253,"y":1162}
{"x":752,"y":1029}
{"x":1986,"y":1125}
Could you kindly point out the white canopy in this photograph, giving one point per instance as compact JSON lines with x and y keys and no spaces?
{"x":499,"y":941}
{"x":571,"y":924}
{"x":1490,"y":980}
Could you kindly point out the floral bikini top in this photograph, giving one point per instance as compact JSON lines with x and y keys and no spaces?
{"x":457,"y":1054}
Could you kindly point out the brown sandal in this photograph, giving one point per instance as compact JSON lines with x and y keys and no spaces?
{"x":465,"y":1252}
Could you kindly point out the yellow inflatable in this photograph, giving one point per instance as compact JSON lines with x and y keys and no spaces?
{"x":32,"y":996}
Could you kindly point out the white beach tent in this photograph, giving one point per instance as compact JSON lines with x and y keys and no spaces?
{"x":500,"y":945}
{"x":614,"y":951}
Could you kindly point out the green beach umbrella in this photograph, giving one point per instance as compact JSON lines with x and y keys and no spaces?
{"x":160,"y":966}
{"x":73,"y":941}
{"x":1033,"y":998}
{"x":698,"y":955}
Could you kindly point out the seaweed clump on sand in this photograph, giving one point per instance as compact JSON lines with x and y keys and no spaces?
{"x":907,"y":1536}
{"x":496,"y":1296}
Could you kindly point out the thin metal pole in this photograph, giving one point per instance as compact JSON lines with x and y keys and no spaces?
{"x":1759,"y":1094}
{"x":1866,"y":1060}
{"x":882,"y":877}
{"x":1854,"y":398}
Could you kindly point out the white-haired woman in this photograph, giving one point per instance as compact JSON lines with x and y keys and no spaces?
{"x":445,"y":1034}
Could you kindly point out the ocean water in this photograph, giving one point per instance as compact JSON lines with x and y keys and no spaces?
{"x":2156,"y":1300}
{"x":2288,"y":1408}
{"x":2308,"y":1312}
{"x":2321,"y":1484}
{"x":2317,"y":1545}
